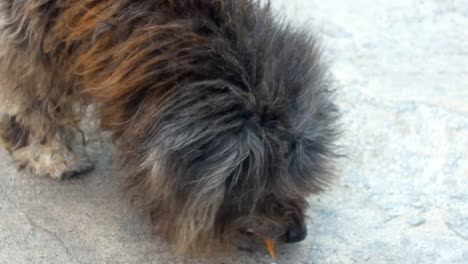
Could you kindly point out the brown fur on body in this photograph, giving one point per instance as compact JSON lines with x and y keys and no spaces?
{"x":222,"y":114}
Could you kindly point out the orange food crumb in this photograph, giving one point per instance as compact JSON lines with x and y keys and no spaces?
{"x":270,"y":247}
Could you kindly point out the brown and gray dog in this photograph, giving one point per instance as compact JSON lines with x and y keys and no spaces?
{"x":223,"y":115}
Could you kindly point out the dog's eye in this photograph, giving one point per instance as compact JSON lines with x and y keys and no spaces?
{"x":293,"y":145}
{"x":247,"y":232}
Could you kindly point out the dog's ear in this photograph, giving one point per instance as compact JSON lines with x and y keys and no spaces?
{"x":203,"y":178}
{"x":193,"y":176}
{"x":193,"y":155}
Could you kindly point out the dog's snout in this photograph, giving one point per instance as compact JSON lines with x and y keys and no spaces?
{"x":294,"y":235}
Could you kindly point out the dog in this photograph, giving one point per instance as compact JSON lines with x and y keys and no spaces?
{"x":223,"y":115}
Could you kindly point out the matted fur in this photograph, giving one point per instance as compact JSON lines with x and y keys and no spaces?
{"x":222,"y":114}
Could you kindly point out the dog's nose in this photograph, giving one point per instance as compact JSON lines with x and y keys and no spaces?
{"x":294,"y":235}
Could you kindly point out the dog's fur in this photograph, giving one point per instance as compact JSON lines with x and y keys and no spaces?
{"x":222,"y":114}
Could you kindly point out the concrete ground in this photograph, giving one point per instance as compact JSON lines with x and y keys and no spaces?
{"x":402,"y":71}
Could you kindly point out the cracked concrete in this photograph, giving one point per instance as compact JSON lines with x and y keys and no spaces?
{"x":402,"y":71}
{"x":55,"y":236}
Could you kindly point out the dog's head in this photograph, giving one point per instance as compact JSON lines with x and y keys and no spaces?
{"x":219,"y":168}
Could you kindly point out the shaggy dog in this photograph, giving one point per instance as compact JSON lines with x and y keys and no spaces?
{"x":222,"y":114}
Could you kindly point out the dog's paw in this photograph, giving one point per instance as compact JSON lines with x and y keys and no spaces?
{"x":12,"y":135}
{"x":57,"y":162}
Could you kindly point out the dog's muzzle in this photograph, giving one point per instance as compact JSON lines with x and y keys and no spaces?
{"x":295,"y":234}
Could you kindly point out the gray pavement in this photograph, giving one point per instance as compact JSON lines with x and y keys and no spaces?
{"x":402,"y":71}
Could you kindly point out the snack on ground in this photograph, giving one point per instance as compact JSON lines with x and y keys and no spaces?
{"x":270,"y":247}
